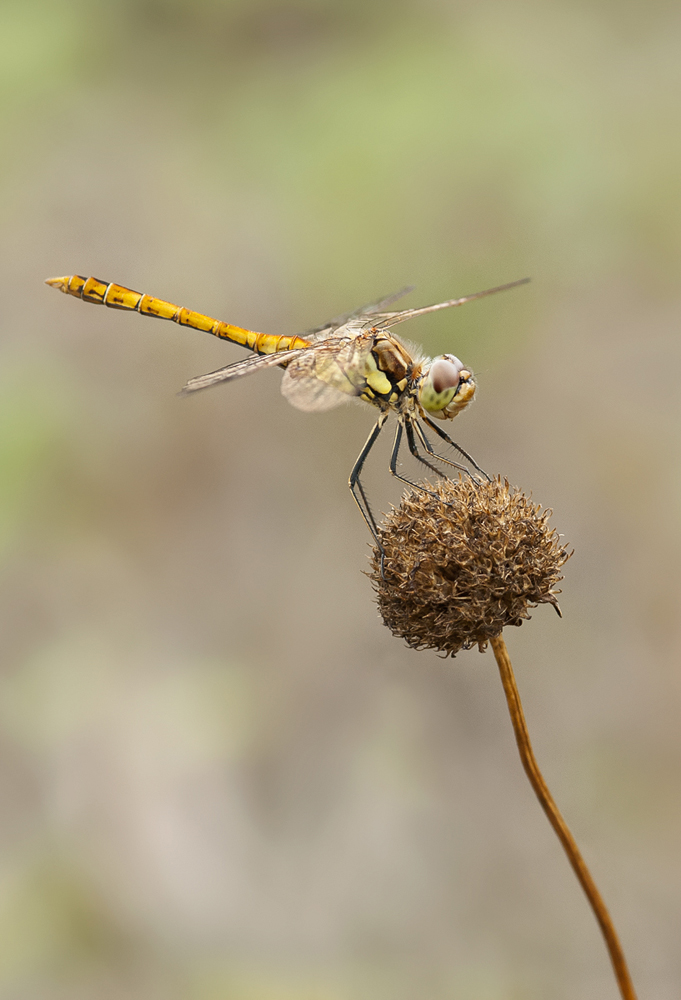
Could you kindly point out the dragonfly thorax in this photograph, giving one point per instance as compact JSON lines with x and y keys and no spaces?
{"x":445,"y":387}
{"x":387,"y":372}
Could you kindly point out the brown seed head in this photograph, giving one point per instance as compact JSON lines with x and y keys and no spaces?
{"x":463,"y":563}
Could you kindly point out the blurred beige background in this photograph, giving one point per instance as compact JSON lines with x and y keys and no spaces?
{"x":220,"y":777}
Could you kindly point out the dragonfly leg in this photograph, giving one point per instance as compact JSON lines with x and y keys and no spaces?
{"x":411,"y":440}
{"x":357,"y":488}
{"x":431,"y":451}
{"x":405,"y":425}
{"x":453,"y":444}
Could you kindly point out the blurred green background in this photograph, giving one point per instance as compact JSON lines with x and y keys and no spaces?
{"x":220,"y":777}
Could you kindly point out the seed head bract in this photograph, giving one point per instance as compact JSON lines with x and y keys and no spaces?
{"x":462,"y":561}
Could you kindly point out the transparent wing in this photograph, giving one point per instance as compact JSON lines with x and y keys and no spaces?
{"x":241,"y":368}
{"x":327,"y":374}
{"x":316,"y":378}
{"x":331,"y":325}
{"x":311,"y":395}
{"x":383,"y":321}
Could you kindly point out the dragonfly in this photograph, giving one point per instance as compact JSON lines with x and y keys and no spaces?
{"x":351,"y":356}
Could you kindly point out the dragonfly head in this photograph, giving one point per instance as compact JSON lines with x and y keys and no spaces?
{"x":446,"y":387}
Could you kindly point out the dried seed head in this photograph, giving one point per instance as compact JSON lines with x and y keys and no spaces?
{"x":463,"y":562}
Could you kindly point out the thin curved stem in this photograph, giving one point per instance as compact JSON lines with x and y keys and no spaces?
{"x":557,"y":822}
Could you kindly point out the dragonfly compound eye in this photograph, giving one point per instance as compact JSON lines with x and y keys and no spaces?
{"x":445,"y":373}
{"x":444,"y":379}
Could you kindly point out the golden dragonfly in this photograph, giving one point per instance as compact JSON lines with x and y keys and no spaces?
{"x":353,"y":355}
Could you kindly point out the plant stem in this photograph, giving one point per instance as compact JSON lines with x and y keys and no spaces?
{"x":556,"y":820}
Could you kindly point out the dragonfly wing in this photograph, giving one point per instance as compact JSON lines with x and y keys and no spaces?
{"x":328,"y":328}
{"x":330,"y":373}
{"x":317,"y":378}
{"x":310,"y":395}
{"x":240,"y":368}
{"x":386,"y":320}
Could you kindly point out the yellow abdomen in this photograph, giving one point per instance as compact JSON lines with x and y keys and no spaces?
{"x":118,"y":297}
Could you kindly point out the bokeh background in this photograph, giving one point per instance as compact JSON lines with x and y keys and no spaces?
{"x":221,"y":778}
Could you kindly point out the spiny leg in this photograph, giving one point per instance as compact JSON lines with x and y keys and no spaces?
{"x":446,"y":437}
{"x":409,"y":428}
{"x":404,"y":424}
{"x":431,"y":451}
{"x":357,"y":488}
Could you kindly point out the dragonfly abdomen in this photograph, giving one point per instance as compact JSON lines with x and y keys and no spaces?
{"x":118,"y":297}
